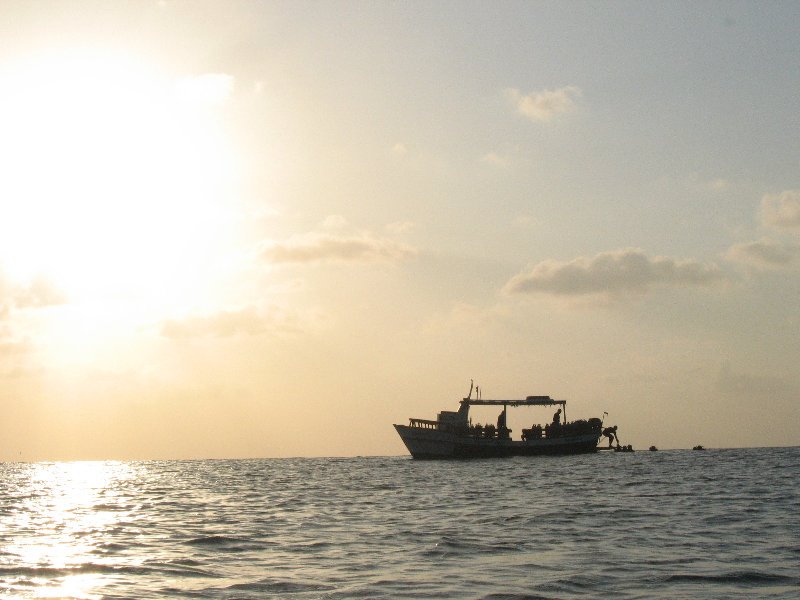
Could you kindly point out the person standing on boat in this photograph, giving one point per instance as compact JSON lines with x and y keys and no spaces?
{"x":501,"y":420}
{"x":557,"y":418}
{"x":611,"y":434}
{"x":502,"y":429}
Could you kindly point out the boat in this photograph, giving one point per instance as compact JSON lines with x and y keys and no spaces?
{"x":452,"y":434}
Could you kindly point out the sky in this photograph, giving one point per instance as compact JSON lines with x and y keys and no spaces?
{"x":268,"y":229}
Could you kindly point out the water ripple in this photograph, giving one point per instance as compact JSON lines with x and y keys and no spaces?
{"x":672,"y":524}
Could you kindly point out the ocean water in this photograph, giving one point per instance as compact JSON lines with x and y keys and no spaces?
{"x":668,"y":524}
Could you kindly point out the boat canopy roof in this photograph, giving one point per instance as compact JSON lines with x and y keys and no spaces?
{"x":529,"y":401}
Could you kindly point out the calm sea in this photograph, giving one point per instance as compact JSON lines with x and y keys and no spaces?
{"x":669,"y":524}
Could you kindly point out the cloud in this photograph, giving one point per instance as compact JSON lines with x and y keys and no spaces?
{"x":781,"y":211}
{"x":11,"y":346}
{"x":38,"y":293}
{"x":325,"y":247}
{"x":615,"y":272}
{"x":544,"y":105}
{"x":246,"y":321}
{"x":765,"y":254}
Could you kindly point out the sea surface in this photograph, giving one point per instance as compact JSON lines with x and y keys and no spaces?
{"x":668,"y":524}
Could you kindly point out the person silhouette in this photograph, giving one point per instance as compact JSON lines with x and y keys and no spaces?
{"x":611,"y":434}
{"x":557,"y":417}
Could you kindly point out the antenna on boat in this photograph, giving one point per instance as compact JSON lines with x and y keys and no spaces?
{"x":471,"y":383}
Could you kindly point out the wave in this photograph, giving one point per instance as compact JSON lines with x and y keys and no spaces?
{"x":517,"y":597}
{"x":227,"y":543}
{"x":636,"y":526}
{"x":735,"y":577}
{"x":278,"y":586}
{"x":213,"y":540}
{"x":450,"y":545}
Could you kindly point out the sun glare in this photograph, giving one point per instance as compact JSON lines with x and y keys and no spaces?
{"x":69,"y":510}
{"x":114,"y":175}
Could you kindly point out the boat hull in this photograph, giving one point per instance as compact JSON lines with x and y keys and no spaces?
{"x":434,"y":443}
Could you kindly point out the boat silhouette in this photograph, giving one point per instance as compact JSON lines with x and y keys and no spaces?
{"x":452,"y":434}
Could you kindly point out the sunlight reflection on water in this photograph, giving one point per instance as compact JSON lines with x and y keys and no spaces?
{"x":719,"y":524}
{"x":60,"y":519}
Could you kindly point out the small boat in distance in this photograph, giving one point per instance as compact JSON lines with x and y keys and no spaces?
{"x":452,"y":434}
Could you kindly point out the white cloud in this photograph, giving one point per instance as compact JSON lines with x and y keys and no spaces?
{"x":325,"y":247}
{"x":781,"y":211}
{"x":12,"y":346}
{"x":545,"y":104}
{"x":37,"y":293}
{"x":612,"y":273}
{"x":765,"y":254}
{"x":245,"y":321}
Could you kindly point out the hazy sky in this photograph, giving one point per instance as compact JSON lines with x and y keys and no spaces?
{"x":238,"y":229}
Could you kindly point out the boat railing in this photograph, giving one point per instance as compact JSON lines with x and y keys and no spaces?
{"x":441,"y":426}
{"x":489,"y":431}
{"x":424,"y":424}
